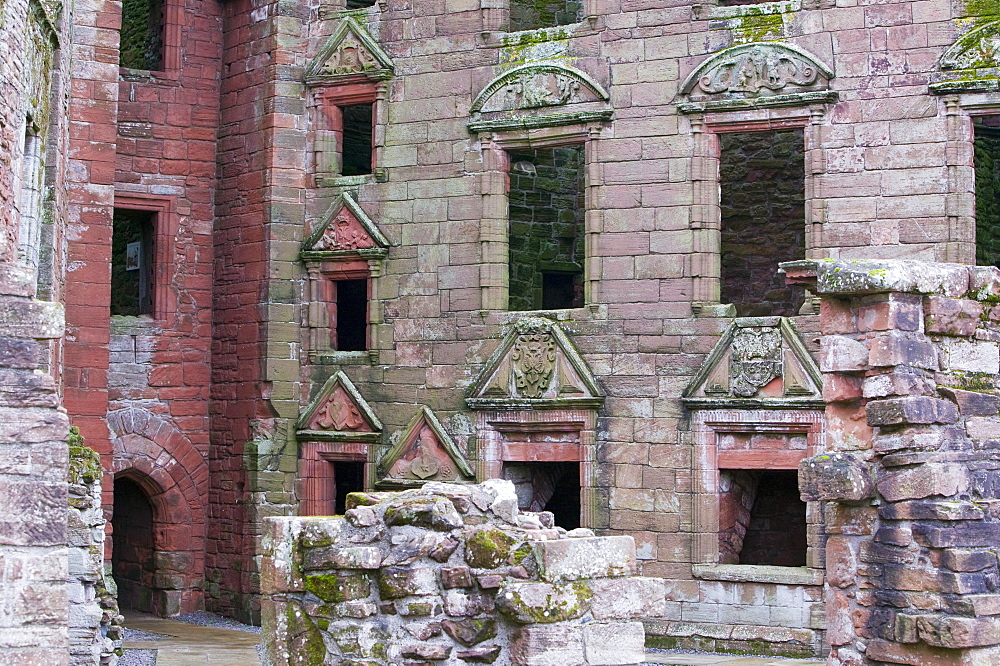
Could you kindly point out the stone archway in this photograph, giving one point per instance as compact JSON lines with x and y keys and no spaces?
{"x":153,"y":457}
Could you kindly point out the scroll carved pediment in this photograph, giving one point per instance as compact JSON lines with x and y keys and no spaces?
{"x":537,"y":365}
{"x":345,"y":228}
{"x":349,"y":52}
{"x":424,"y":452}
{"x":757,"y":74}
{"x":977,"y":49}
{"x":759,"y":362}
{"x":338,"y":412}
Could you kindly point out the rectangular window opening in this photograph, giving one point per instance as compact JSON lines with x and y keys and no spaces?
{"x":547,"y":486}
{"x":762,"y":188}
{"x":348,"y":477}
{"x":535,"y":14}
{"x":762,"y":519}
{"x":360,"y":4}
{"x":141,"y":42}
{"x":357,"y":141}
{"x":546,"y":223}
{"x":986,"y":158}
{"x":351,"y":318}
{"x":132,"y":253}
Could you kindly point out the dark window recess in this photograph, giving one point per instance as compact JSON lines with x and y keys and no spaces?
{"x":348,"y":477}
{"x":548,"y":486}
{"x":535,"y":14}
{"x":132,"y":262}
{"x":762,"y":519}
{"x":141,"y":45}
{"x":360,"y":4}
{"x":133,"y":547}
{"x":546,"y":213}
{"x":762,"y":183}
{"x":351,"y":325}
{"x":357,"y":153}
{"x":987,"y":164}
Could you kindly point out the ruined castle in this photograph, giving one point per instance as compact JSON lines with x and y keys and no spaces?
{"x":266,"y":253}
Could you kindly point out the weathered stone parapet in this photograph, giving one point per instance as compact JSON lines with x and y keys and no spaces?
{"x":450,"y":574}
{"x":911,"y":352}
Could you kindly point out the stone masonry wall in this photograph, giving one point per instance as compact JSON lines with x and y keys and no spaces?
{"x":911,"y":354}
{"x":450,"y":574}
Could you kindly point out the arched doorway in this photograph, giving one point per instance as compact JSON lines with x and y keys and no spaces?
{"x":133,"y":550}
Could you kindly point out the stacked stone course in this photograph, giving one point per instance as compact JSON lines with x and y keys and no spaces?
{"x":911,"y":353}
{"x":450,"y":574}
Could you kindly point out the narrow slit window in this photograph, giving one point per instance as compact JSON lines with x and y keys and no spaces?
{"x":30,"y":204}
{"x":357,"y":151}
{"x":132,"y":255}
{"x":987,"y":166}
{"x":348,"y":477}
{"x":546,"y":221}
{"x":762,"y":187}
{"x":535,"y":14}
{"x":762,"y":519}
{"x":360,"y":4}
{"x":351,"y":318}
{"x":141,"y":42}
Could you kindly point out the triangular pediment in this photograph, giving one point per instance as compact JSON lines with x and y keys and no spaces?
{"x":539,"y":95}
{"x":344,"y":229}
{"x":424,"y":452}
{"x":339,"y":412}
{"x":759,"y":362}
{"x":759,"y":74}
{"x":536,"y":366}
{"x":350,"y":52}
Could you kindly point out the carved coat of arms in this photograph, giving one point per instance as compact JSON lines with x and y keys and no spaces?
{"x":755,"y":361}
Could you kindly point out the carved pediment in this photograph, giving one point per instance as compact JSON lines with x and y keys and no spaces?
{"x":344,"y":229}
{"x":535,"y":366}
{"x":759,"y":362}
{"x":976,"y":49}
{"x":523,"y":96}
{"x":350,"y":52}
{"x":759,"y":74}
{"x":424,"y":452}
{"x":338,"y":412}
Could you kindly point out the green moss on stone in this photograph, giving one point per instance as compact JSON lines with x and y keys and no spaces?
{"x":757,"y":26}
{"x":488,"y":548}
{"x":334,"y":588}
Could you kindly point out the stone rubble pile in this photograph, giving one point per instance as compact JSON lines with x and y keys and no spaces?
{"x":450,"y":574}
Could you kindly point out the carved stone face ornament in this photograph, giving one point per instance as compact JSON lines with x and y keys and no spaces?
{"x":756,"y":360}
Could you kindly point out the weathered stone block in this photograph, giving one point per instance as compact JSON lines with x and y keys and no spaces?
{"x":951,"y":316}
{"x":471,"y":631}
{"x":488,"y":548}
{"x":958,"y":632}
{"x":437,"y":514}
{"x":627,"y":598}
{"x":339,"y":586}
{"x":923,"y":481}
{"x":911,"y":410}
{"x":614,"y":644}
{"x":398,"y":582}
{"x":840,"y":353}
{"x":972,"y":403}
{"x":835,"y":477}
{"x":979,"y":356}
{"x":548,"y":645}
{"x":543,"y":603}
{"x":575,"y":559}
{"x":357,"y":557}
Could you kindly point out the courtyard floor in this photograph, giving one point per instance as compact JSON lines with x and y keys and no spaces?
{"x":192,"y":645}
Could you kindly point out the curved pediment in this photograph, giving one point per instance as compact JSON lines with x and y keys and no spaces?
{"x":527,"y":93}
{"x":350,"y":52}
{"x":345,"y":229}
{"x":535,"y":367}
{"x":976,"y":49}
{"x":759,"y":74}
{"x":760,"y":362}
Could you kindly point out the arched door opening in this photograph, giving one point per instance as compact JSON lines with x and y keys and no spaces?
{"x":133,"y":546}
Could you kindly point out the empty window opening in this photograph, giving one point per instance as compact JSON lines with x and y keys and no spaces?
{"x":762,"y":519}
{"x":133,"y":547}
{"x":357,"y":152}
{"x":547,"y":486}
{"x":141,"y":45}
{"x":351,"y":319}
{"x":762,"y":183}
{"x":987,"y":165}
{"x":360,"y":4}
{"x":132,"y":262}
{"x":30,"y":204}
{"x":348,"y":477}
{"x":546,"y":212}
{"x":535,"y":14}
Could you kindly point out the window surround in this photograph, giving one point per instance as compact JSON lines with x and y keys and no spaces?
{"x":167,"y":225}
{"x":331,"y":99}
{"x":173,"y":21}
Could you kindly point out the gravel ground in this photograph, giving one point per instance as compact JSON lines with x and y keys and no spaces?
{"x":138,"y":658}
{"x":136,"y":635}
{"x":206,"y":619}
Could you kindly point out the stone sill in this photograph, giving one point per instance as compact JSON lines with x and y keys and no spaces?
{"x":754,"y":573}
{"x":132,"y":325}
{"x":345,"y":357}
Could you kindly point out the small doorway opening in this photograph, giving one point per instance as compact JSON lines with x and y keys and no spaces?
{"x":547,"y":486}
{"x":348,"y":477}
{"x":133,"y":546}
{"x":762,"y":519}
